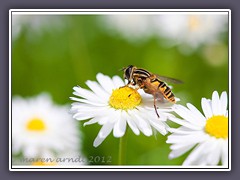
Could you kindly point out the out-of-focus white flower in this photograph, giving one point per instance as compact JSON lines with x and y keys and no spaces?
{"x":191,"y":30}
{"x":207,"y":134}
{"x":35,"y":23}
{"x":114,"y":107}
{"x":131,"y":27}
{"x":41,"y":128}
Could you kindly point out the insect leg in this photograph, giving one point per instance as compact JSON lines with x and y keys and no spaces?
{"x":155,"y":107}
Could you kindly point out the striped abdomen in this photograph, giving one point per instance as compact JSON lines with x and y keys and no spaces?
{"x":166,"y":91}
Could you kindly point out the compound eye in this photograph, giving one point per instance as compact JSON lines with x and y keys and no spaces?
{"x":127,"y":73}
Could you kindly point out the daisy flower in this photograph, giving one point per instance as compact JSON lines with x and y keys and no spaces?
{"x":40,"y":127}
{"x":192,"y":30}
{"x":114,"y":107}
{"x":206,"y":134}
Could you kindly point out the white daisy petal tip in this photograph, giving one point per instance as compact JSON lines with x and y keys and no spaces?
{"x":76,"y":87}
{"x":177,"y":99}
{"x":176,"y":106}
{"x":215,"y":94}
{"x":99,"y":75}
{"x":72,"y":98}
{"x":169,"y":129}
{"x":171,"y":156}
{"x":118,"y":133}
{"x":97,"y":142}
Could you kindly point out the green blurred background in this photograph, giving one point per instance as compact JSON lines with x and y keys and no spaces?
{"x":55,"y":58}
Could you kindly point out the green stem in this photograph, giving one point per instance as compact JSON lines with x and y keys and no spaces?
{"x":122,"y":149}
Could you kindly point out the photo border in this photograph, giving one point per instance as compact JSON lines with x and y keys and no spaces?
{"x":107,"y":167}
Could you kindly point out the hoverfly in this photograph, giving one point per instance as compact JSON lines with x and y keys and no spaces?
{"x":151,"y":83}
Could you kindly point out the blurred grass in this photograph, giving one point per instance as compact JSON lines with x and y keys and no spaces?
{"x":56,"y":61}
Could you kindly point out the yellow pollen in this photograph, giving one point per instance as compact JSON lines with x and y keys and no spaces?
{"x":124,"y":98}
{"x":36,"y":125}
{"x":193,"y":23}
{"x":217,"y":126}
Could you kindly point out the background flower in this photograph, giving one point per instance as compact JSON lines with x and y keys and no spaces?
{"x":206,"y":134}
{"x":132,"y":27}
{"x":187,"y":31}
{"x":41,"y":128}
{"x":192,"y":30}
{"x":35,"y":23}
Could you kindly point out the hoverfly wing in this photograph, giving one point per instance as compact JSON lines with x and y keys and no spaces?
{"x":169,"y":80}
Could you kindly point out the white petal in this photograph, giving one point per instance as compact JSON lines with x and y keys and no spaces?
{"x":157,"y":123}
{"x":226,"y":114}
{"x":181,"y":130}
{"x":201,"y":162}
{"x":86,"y":108}
{"x":76,"y":105}
{"x":82,"y":116}
{"x":184,"y":123}
{"x":206,"y":107}
{"x":131,"y":123}
{"x":159,"y":126}
{"x":118,"y":82}
{"x":86,"y":94}
{"x":119,"y":127}
{"x":30,"y":151}
{"x":143,"y":125}
{"x":105,"y":130}
{"x":180,"y":151}
{"x":177,"y":146}
{"x":213,"y":157}
{"x":216,"y":106}
{"x":194,"y":138}
{"x":197,"y":114}
{"x":224,"y":149}
{"x":224,"y":103}
{"x":98,"y":90}
{"x":186,"y":114}
{"x":98,"y":141}
{"x":104,"y":119}
{"x":195,"y":155}
{"x":92,"y":121}
{"x":133,"y":126}
{"x":94,"y":103}
{"x":103,"y":133}
{"x":106,"y":82}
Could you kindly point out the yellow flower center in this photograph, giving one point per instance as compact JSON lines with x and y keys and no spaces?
{"x":193,"y":23}
{"x":41,"y":163}
{"x":124,"y":98}
{"x":217,"y":126}
{"x":36,"y":124}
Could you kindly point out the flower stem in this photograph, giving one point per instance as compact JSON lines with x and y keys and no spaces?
{"x":122,"y":149}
